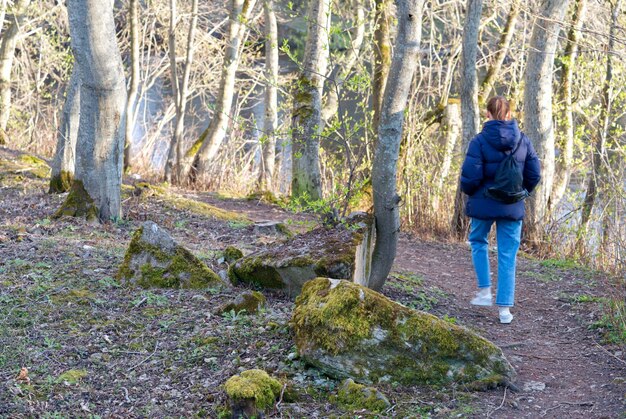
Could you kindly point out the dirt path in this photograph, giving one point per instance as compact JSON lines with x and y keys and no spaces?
{"x":548,"y":342}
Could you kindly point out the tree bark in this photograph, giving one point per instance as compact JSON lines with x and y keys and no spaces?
{"x":95,"y":193}
{"x":503,"y":50}
{"x":451,"y":127}
{"x":382,"y":59}
{"x":179,"y":90}
{"x":384,"y":171}
{"x":206,"y":147}
{"x":469,"y":101}
{"x":266,"y":174}
{"x":64,"y":162}
{"x":566,"y":145}
{"x":133,"y":88}
{"x":3,"y":10}
{"x":307,"y":115}
{"x":343,"y":69}
{"x":600,"y":158}
{"x":538,"y":109}
{"x":7,"y":53}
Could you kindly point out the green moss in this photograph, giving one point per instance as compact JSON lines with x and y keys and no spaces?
{"x":303,"y":98}
{"x":79,"y":296}
{"x":182,"y":268}
{"x":38,"y":167}
{"x":254,"y":384}
{"x":206,"y":210}
{"x":253,"y":270}
{"x":250,"y":301}
{"x":232,"y":254}
{"x":353,"y":396}
{"x":337,"y":317}
{"x":341,"y":312}
{"x":61,"y":183}
{"x":72,"y":376}
{"x":78,"y":203}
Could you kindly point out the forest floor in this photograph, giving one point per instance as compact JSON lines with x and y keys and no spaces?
{"x":95,"y":349}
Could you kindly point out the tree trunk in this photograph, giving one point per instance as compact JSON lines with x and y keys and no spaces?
{"x":307,"y":116}
{"x":451,"y":127}
{"x":566,"y":145}
{"x":179,"y":90}
{"x":600,"y":158}
{"x":3,"y":10}
{"x":133,"y":89}
{"x":343,"y":69}
{"x":384,"y":171}
{"x":503,"y":50}
{"x":469,"y":101}
{"x":7,"y":52}
{"x":206,"y":147}
{"x":268,"y":163}
{"x":538,"y":109}
{"x":95,"y":193}
{"x":382,"y":59}
{"x":64,"y":161}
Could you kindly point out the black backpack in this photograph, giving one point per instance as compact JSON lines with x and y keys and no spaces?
{"x":508,"y":186}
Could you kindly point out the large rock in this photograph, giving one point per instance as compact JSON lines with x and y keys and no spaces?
{"x":154,"y":259}
{"x":251,"y":393}
{"x":340,"y":252}
{"x":349,"y":331}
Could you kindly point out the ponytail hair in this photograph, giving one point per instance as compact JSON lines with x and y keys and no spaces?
{"x":499,"y":108}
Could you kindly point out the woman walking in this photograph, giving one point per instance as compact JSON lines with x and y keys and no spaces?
{"x":484,"y":179}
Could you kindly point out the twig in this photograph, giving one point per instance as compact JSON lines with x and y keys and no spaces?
{"x":126,"y":395}
{"x":512,"y":345}
{"x":156,"y":345}
{"x":501,"y":404}
{"x":561,"y":404}
{"x":280,"y":399}
{"x":614,"y":356}
{"x":546,"y":358}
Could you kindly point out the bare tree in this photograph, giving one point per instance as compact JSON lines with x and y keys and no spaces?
{"x":469,"y":99}
{"x":343,"y":68}
{"x":179,"y":88}
{"x":266,"y":174}
{"x":600,"y":158}
{"x":566,"y":144}
{"x":307,"y":108}
{"x":64,"y":161}
{"x":382,"y":58}
{"x":503,"y":49}
{"x":384,"y":171}
{"x":133,"y":88}
{"x":538,"y":123}
{"x":7,"y":52}
{"x":95,"y":192}
{"x":206,"y":147}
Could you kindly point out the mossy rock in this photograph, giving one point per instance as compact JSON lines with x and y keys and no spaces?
{"x":13,"y":171}
{"x":287,"y":266}
{"x":251,"y":393}
{"x":205,"y":210}
{"x":349,"y":331}
{"x":154,"y":259}
{"x":232,"y":254}
{"x":353,"y":396}
{"x":249,"y":301}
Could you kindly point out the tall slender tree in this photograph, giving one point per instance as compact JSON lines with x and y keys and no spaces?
{"x":307,"y":110}
{"x":206,"y":147}
{"x":95,"y":192}
{"x":538,"y":121}
{"x":64,"y":161}
{"x":382,"y":58}
{"x":385,"y":166}
{"x":7,"y":53}
{"x":600,"y":159}
{"x":565,"y":144}
{"x":266,"y":174}
{"x":133,"y":87}
{"x":469,"y":99}
{"x":180,"y":89}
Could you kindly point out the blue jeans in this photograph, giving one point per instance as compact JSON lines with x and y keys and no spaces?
{"x":508,"y":235}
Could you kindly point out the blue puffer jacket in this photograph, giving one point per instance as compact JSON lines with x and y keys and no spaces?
{"x":484,"y":154}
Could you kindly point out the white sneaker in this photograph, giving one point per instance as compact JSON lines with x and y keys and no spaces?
{"x":505,"y":316}
{"x":482,"y":300}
